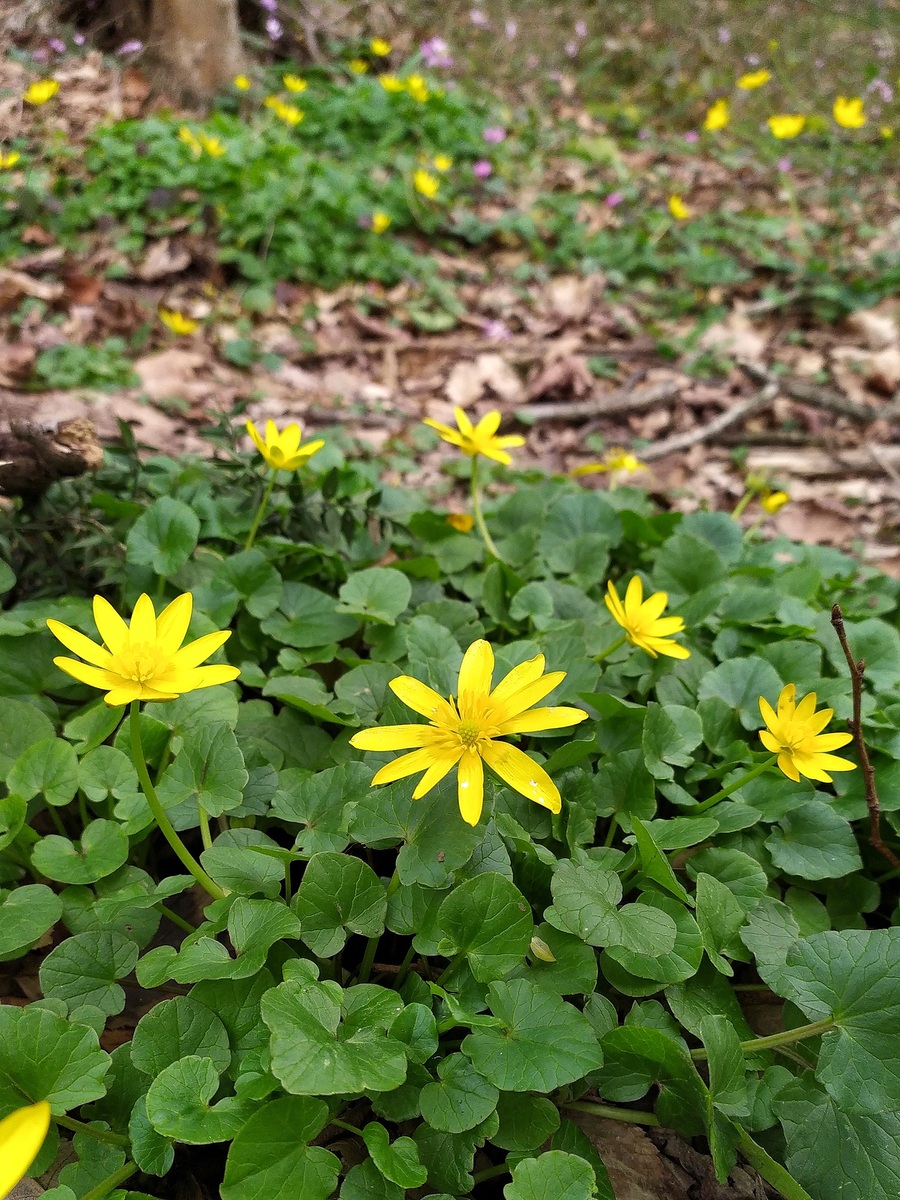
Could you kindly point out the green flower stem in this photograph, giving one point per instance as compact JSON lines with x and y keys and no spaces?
{"x":774,"y":1040}
{"x":175,"y":919}
{"x":630,"y":1116}
{"x":753,"y":773}
{"x":166,"y":827}
{"x":205,"y":832}
{"x":111,"y":1182}
{"x":100,"y":1135}
{"x":479,"y":515}
{"x":742,"y":504}
{"x":491,"y":1172}
{"x":365,"y":967}
{"x":451,"y":967}
{"x":770,"y":1170}
{"x":402,"y":973}
{"x":611,"y":648}
{"x":346,"y":1125}
{"x":261,"y":511}
{"x":57,"y":821}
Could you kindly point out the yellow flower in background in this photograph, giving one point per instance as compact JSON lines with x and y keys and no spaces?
{"x":717,"y":116}
{"x":615,"y":459}
{"x":754,"y":79}
{"x":417,"y":88}
{"x":426,"y":183}
{"x":787,"y":125}
{"x":283,"y":450}
{"x":380,"y":222}
{"x":243,"y":83}
{"x":294,"y":83}
{"x":463,"y":733}
{"x":461,"y":522}
{"x":391,"y":83}
{"x":678,"y":208}
{"x":380,"y":47}
{"x":773,"y":44}
{"x":9,"y":160}
{"x":22,"y":1134}
{"x":773,"y":501}
{"x":478,"y":439}
{"x":190,"y":140}
{"x":849,"y":112}
{"x":358,"y":66}
{"x":643,"y":622}
{"x":213,"y":146}
{"x":177,"y":321}
{"x":40,"y":91}
{"x":143,"y":660}
{"x":886,"y":131}
{"x":288,"y":113}
{"x":442,"y":162}
{"x":795,"y":734}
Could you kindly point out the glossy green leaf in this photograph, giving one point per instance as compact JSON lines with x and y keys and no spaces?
{"x":271,"y":1159}
{"x":489,"y":920}
{"x":337,"y":896}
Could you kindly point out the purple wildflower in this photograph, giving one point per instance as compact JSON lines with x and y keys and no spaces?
{"x":482,"y":169}
{"x":614,"y":199}
{"x":571,"y":49}
{"x":784,"y":164}
{"x":274,"y":28}
{"x":724,"y":34}
{"x":494,"y":134}
{"x":580,"y":29}
{"x":884,"y":90}
{"x":478,"y":19}
{"x":269,"y":5}
{"x":436,"y":53}
{"x":57,"y":44}
{"x":692,"y":136}
{"x":78,"y":39}
{"x":497,"y":331}
{"x":512,"y":28}
{"x":132,"y":47}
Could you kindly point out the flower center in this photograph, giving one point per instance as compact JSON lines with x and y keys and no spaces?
{"x":140,"y":662}
{"x":468,"y":733}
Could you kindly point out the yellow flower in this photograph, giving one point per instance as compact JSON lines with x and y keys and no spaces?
{"x":243,"y":83}
{"x":191,"y":140}
{"x":144,"y":660}
{"x":442,"y":162}
{"x":794,"y":733}
{"x":40,"y":91}
{"x":177,"y":321}
{"x":772,"y":501}
{"x":288,"y":113}
{"x":717,"y":116}
{"x":478,"y":439}
{"x":294,"y":83}
{"x":358,"y":66}
{"x":9,"y":160}
{"x":283,"y":450}
{"x":213,"y":146}
{"x":615,"y":459}
{"x":417,"y":88}
{"x":464,"y":732}
{"x":773,"y":44}
{"x":380,"y":222}
{"x":391,"y":83}
{"x":22,"y":1134}
{"x":754,"y":80}
{"x":461,"y":522}
{"x":849,"y":112}
{"x":643,"y":622}
{"x":678,"y":208}
{"x":787,"y":125}
{"x":380,"y":47}
{"x":886,"y":131}
{"x":425,"y":183}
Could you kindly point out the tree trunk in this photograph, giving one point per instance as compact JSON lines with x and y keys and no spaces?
{"x":196,"y":45}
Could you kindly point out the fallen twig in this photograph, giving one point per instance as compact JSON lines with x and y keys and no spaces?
{"x":704,"y":433}
{"x":521,"y":348}
{"x":855,"y":725}
{"x":601,"y":405}
{"x":820,"y":397}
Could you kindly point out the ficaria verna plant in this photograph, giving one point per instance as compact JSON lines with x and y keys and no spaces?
{"x":310,"y":985}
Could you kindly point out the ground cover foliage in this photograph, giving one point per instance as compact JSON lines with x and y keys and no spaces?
{"x":448,"y":995}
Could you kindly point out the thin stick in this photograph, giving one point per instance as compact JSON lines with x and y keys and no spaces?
{"x":600,"y":405}
{"x":703,"y":433}
{"x":855,"y":725}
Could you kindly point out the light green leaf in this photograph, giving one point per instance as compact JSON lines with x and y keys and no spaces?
{"x":316,"y":803}
{"x":417,"y":1029}
{"x":670,"y":733}
{"x":178,"y":1104}
{"x":489,"y":920}
{"x":365,"y":1182}
{"x":107,"y":772}
{"x":397,"y":1161}
{"x":21,"y":725}
{"x":175,"y":1029}
{"x":627,"y":968}
{"x":43,"y":1057}
{"x":313,"y":1053}
{"x":376,"y":594}
{"x":574,"y":971}
{"x":518,"y":1056}
{"x":525,"y":1121}
{"x":270,"y":1158}
{"x":338,"y":895}
{"x":654,"y":863}
{"x":209,"y":771}
{"x":585,"y":896}
{"x":719,"y":917}
{"x":48,"y":768}
{"x":813,"y":842}
{"x":740,"y":682}
{"x":307,"y":617}
{"x":163,"y":537}
{"x":83,"y":970}
{"x":769,"y":934}
{"x":25,"y":916}
{"x":554,"y":1175}
{"x":103,"y":849}
{"x":573,"y":1140}
{"x":461,"y":1100}
{"x":636,"y":1058}
{"x":727,"y":1067}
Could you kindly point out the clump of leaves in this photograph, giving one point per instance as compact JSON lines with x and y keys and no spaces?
{"x":70,"y":365}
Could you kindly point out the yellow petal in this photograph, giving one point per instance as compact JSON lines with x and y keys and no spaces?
{"x":393,"y":737}
{"x":834,"y":763}
{"x":499,"y":456}
{"x":477,"y":670}
{"x":421,"y":698}
{"x":271,"y":433}
{"x":93,"y":676}
{"x":667,"y":647}
{"x":444,"y":760}
{"x":442,"y":429}
{"x":614,"y":604}
{"x":786,"y":763}
{"x":529,"y":695}
{"x":523,"y":774}
{"x":539,"y":719}
{"x":257,"y":440}
{"x":118,"y":696}
{"x":172,"y":623}
{"x":830,"y":741}
{"x":806,"y":708}
{"x":768,"y":712}
{"x":488,"y":425}
{"x":771,"y":743}
{"x":143,"y":621}
{"x":290,"y":439}
{"x":470,"y":787}
{"x":22,"y":1134}
{"x":511,"y":439}
{"x":786,"y":700}
{"x":519,"y":677}
{"x":79,"y":644}
{"x":204,"y":677}
{"x":653,"y":606}
{"x":634,"y":596}
{"x":406,"y":764}
{"x":110,"y":625}
{"x":663,"y":626}
{"x":465,"y":425}
{"x":194,"y":653}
